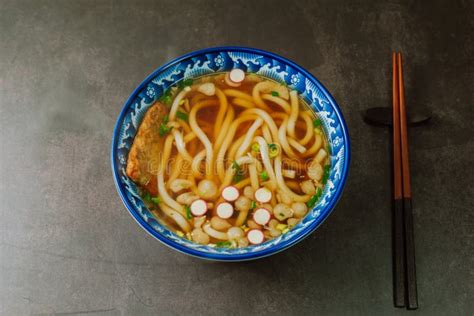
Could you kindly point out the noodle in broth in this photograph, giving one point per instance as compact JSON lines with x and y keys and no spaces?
{"x":233,"y":162}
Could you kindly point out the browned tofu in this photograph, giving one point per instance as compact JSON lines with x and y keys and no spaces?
{"x":145,"y":154}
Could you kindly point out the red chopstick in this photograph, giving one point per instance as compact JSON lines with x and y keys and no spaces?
{"x":404,"y":271}
{"x":399,"y":289}
{"x":410,"y":268}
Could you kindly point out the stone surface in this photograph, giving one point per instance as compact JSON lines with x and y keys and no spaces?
{"x":67,"y":244}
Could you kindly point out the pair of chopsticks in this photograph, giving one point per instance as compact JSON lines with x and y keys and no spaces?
{"x":404,"y":278}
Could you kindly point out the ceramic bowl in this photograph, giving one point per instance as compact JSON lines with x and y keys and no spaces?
{"x":220,"y":59}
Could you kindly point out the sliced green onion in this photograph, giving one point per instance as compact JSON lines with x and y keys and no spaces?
{"x":317,"y":123}
{"x":167,"y":100}
{"x":147,"y":197}
{"x":166,"y":97}
{"x":239,"y":173}
{"x":185,"y":83}
{"x":275,"y":94}
{"x":182,"y":116}
{"x":326,"y":173}
{"x":156,"y":200}
{"x":264,"y":175}
{"x":273,"y":150}
{"x":253,"y":205}
{"x":223,"y":244}
{"x":163,"y":129}
{"x":314,"y":198}
{"x":188,"y":212}
{"x":255,"y":147}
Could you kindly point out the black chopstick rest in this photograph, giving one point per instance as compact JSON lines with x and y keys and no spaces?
{"x":398,"y":254}
{"x":382,"y":116}
{"x":412,"y":297}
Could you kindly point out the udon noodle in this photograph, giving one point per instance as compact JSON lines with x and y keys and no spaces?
{"x":230,"y":159}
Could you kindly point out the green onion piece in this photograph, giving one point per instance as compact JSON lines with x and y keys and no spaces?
{"x":167,"y":100}
{"x":185,"y":83}
{"x":314,"y":198}
{"x":253,"y":205}
{"x":166,"y":119}
{"x":182,"y":116}
{"x":264,"y":175}
{"x":163,"y":130}
{"x":166,"y":97}
{"x":326,"y":173}
{"x":311,"y":201}
{"x":275,"y":94}
{"x":223,"y":244}
{"x":319,"y":192}
{"x":188,"y":212}
{"x":317,"y":123}
{"x":147,"y":197}
{"x":188,"y":82}
{"x":239,"y":173}
{"x":273,"y":150}
{"x":156,"y":200}
{"x":255,"y":147}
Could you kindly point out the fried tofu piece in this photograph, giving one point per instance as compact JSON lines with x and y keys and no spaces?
{"x":145,"y":154}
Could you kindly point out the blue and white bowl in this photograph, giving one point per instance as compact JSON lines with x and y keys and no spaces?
{"x":221,"y":59}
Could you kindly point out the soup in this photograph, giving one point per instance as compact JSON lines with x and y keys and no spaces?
{"x":230,"y":159}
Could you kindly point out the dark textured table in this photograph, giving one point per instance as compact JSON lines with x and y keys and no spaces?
{"x":68,"y":245}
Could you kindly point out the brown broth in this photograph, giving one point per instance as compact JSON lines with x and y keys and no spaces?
{"x":206,"y":120}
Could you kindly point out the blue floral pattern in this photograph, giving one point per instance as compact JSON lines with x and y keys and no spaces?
{"x":150,"y":92}
{"x":294,"y":79}
{"x":217,"y":60}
